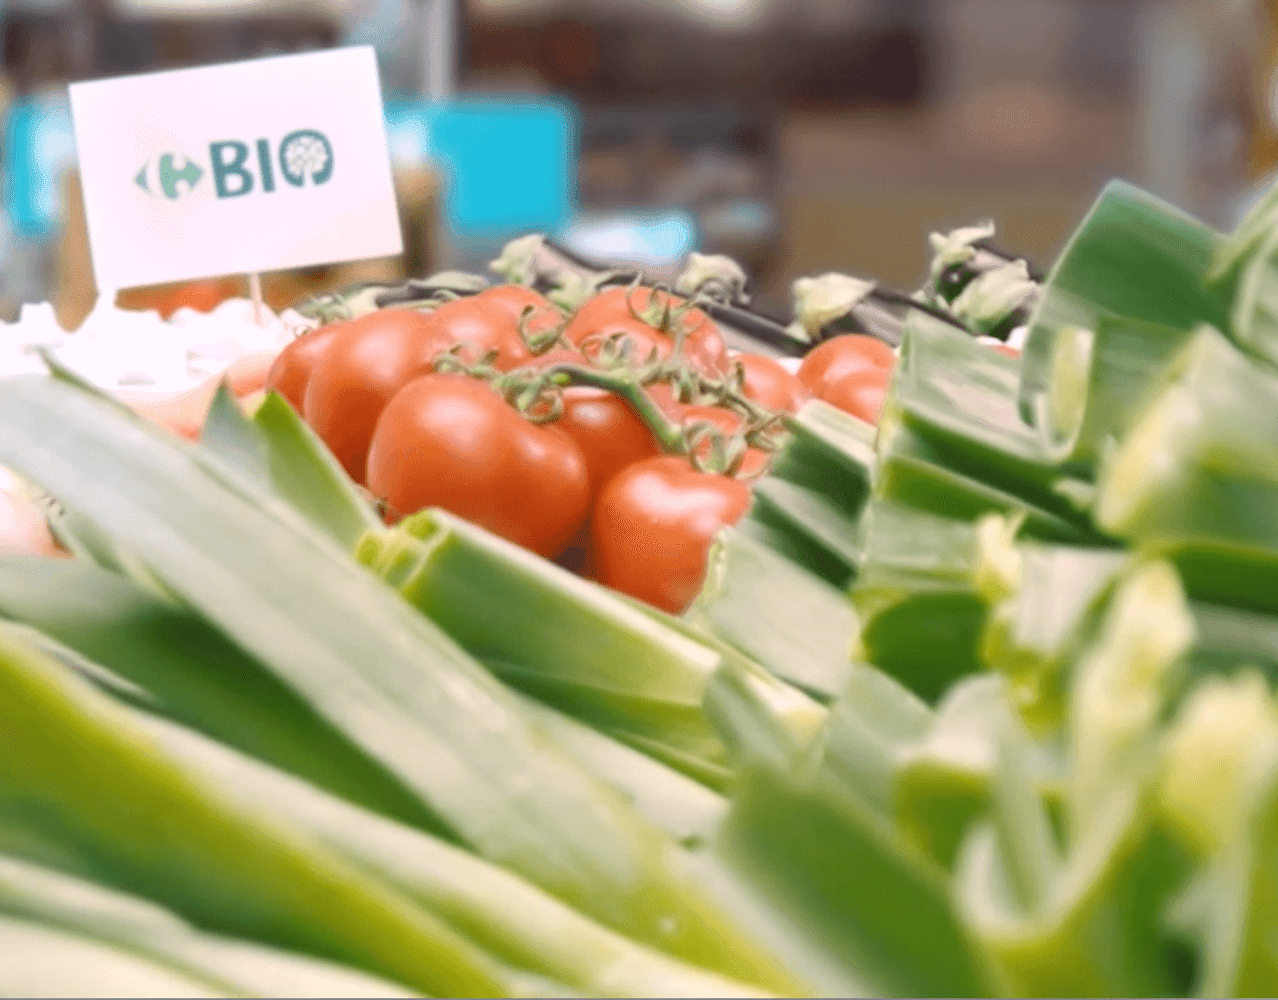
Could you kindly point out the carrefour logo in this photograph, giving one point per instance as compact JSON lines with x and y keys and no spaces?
{"x":237,"y":168}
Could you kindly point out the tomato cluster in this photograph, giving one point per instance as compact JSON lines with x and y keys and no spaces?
{"x":417,"y":406}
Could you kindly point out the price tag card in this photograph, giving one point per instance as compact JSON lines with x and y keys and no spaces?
{"x":245,"y":167}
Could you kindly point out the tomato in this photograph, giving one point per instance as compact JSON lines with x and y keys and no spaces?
{"x":729,"y":423}
{"x":364,"y":365}
{"x":291,"y":372}
{"x":610,"y":311}
{"x":608,"y":432}
{"x":623,"y":302}
{"x":770,"y":385}
{"x":664,"y":396}
{"x":559,"y":356}
{"x":643,"y":340}
{"x":517,"y":298}
{"x":860,"y":393}
{"x":653,"y":527}
{"x":545,"y":317}
{"x":491,"y":321}
{"x":449,"y":441}
{"x":841,"y":356}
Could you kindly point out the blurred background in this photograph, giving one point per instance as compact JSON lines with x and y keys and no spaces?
{"x":798,"y":136}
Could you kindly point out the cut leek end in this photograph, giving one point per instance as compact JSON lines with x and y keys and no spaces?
{"x":1120,"y":682}
{"x":998,"y":568}
{"x":1211,"y":751}
{"x":1146,"y":464}
{"x":1064,"y":406}
{"x":1033,"y":682}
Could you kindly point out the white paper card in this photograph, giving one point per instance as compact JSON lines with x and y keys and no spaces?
{"x":262,"y":165}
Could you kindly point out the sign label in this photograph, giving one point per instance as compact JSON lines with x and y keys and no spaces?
{"x":254,"y":166}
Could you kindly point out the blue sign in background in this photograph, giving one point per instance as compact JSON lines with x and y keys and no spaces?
{"x":38,"y":145}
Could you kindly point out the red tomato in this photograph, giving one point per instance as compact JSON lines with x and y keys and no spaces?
{"x":517,"y":298}
{"x":841,"y":356}
{"x":664,"y":396}
{"x":609,"y":433}
{"x":449,"y":441}
{"x":860,"y":393}
{"x":491,"y":321}
{"x":600,"y":315}
{"x":653,"y":527}
{"x":756,"y":460}
{"x":624,"y":302}
{"x":291,"y":372}
{"x":560,"y":356}
{"x":642,"y":338}
{"x":545,"y":317}
{"x":770,"y":385}
{"x":367,"y":361}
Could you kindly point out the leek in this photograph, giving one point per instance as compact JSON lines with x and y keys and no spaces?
{"x":828,"y":451}
{"x":190,"y":672}
{"x":42,"y":961}
{"x":822,"y":527}
{"x":503,"y":914}
{"x":1197,"y":474}
{"x":225,"y":868}
{"x":952,"y":442}
{"x":778,"y":614}
{"x":132,"y":925}
{"x":1221,"y":789}
{"x":888,"y":916}
{"x":1032,"y":635}
{"x":922,"y":594}
{"x":1132,"y":257}
{"x":431,"y":715}
{"x":465,"y":578}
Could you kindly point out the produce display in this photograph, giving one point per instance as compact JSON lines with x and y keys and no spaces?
{"x":604,"y":423}
{"x":541,"y":638}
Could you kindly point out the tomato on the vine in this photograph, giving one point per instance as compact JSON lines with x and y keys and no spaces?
{"x":611,"y":312}
{"x":290,"y":373}
{"x":639,"y":341}
{"x":609,"y":433}
{"x":841,"y":356}
{"x":543,"y":318}
{"x":653,"y":527}
{"x":851,"y":372}
{"x":729,"y":423}
{"x":860,"y":393}
{"x":559,"y":356}
{"x":646,"y":304}
{"x":485,"y":325}
{"x":770,"y":385}
{"x":367,"y":361}
{"x":449,"y":441}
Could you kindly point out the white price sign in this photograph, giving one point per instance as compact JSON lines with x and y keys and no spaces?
{"x":238,"y":168}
